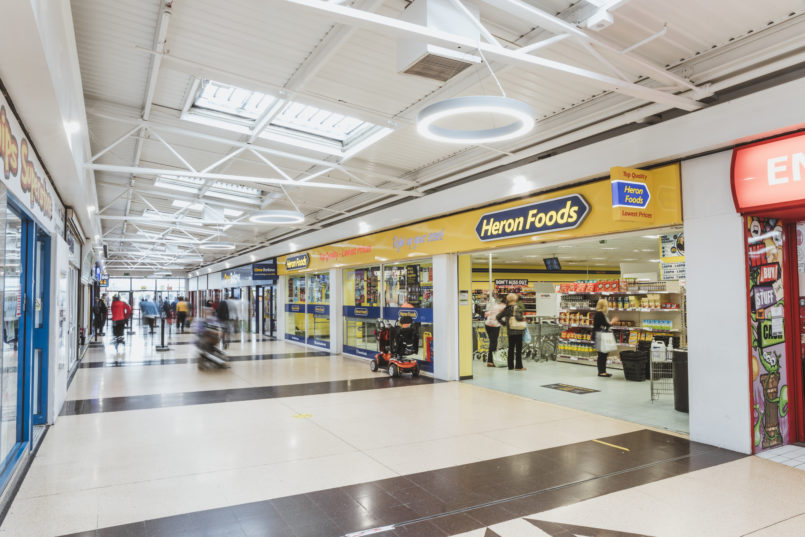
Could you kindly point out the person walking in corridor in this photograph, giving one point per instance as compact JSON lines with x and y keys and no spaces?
{"x":182,"y":309}
{"x":120,"y":313}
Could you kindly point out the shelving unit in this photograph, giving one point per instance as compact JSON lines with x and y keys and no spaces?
{"x":576,"y":315}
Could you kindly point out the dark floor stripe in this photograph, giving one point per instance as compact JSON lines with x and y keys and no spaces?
{"x":174,"y":361}
{"x":140,"y":402}
{"x":452,"y":500}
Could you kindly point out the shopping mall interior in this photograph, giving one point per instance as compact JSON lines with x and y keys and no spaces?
{"x":404,"y":268}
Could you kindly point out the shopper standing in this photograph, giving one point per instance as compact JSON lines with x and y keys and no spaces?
{"x":182,"y":310}
{"x":100,"y":312}
{"x":493,"y":308}
{"x":150,"y":312}
{"x":512,"y":318}
{"x":120,"y":312}
{"x":601,"y":324}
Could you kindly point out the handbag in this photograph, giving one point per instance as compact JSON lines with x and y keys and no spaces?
{"x":526,"y":336}
{"x":514,"y":324}
{"x":605,"y":342}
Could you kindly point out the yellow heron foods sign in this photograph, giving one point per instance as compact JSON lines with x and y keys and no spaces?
{"x":581,"y":211}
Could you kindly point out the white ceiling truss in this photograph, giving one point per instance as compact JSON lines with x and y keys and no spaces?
{"x":165,"y":173}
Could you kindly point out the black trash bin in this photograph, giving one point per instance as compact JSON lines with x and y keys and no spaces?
{"x":634,"y":364}
{"x":680,"y":380}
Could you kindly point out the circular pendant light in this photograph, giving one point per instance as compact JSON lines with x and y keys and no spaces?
{"x":512,"y":109}
{"x":217,"y":246}
{"x":277,"y":217}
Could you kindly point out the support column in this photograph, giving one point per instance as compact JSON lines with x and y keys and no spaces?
{"x":465,"y":316}
{"x":336,"y":314}
{"x":445,"y":317}
{"x":282,"y":287}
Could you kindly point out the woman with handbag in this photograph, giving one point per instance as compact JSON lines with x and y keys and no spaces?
{"x":601,"y":326}
{"x":493,"y":308}
{"x":512,"y":318}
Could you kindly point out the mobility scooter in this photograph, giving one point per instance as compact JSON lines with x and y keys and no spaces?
{"x":396,"y":343}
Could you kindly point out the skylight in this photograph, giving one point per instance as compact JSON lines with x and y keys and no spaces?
{"x":312,"y":120}
{"x":232,"y":100}
{"x":280,"y":120}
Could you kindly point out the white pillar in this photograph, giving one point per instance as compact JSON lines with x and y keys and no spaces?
{"x":336,"y":316}
{"x":282,"y":286}
{"x":445,"y":317}
{"x":718,"y":350}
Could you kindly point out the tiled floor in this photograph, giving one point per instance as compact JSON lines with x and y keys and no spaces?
{"x":616,"y":397}
{"x":298,"y":444}
{"x":793,"y":456}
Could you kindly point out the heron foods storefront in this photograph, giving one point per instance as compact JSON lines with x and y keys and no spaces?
{"x":336,"y":295}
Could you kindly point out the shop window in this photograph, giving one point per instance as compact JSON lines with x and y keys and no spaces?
{"x":295,"y":329}
{"x":408,"y":292}
{"x":361,"y":310}
{"x":318,"y":310}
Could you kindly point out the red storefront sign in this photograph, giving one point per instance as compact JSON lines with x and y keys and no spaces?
{"x":769,"y":174}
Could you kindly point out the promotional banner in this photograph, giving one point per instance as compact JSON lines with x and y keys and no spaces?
{"x":569,"y":213}
{"x":672,"y":256}
{"x":767,"y":327}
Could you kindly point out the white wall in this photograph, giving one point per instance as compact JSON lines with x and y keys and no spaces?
{"x":717,"y":312}
{"x":214,"y":281}
{"x":445,"y":317}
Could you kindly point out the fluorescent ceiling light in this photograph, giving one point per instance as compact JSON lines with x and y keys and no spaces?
{"x":651,"y":236}
{"x":185,"y":184}
{"x":653,"y":260}
{"x":233,"y":197}
{"x":217,"y":246}
{"x":277,"y":217}
{"x":232,"y":100}
{"x":187,"y":205}
{"x":520,"y":112}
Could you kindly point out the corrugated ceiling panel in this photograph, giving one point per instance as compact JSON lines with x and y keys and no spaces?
{"x":261,"y":40}
{"x":108,"y":33}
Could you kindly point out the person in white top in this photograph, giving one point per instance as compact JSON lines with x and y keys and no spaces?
{"x":493,"y":307}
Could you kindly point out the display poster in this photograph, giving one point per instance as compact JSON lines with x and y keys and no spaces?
{"x":765,"y":239}
{"x":672,"y":256}
{"x":359,"y":287}
{"x":265,"y":271}
{"x":413,"y":294}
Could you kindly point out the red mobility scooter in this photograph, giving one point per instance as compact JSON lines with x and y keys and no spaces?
{"x":396,"y":344}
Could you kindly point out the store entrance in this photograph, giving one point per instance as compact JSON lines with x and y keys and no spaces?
{"x":636,"y":280}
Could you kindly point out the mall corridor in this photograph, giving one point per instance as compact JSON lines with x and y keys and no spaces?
{"x":296,"y":443}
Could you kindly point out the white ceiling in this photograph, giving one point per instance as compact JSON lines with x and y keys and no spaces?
{"x":296,"y":51}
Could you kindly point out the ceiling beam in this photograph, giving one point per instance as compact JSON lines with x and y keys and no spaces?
{"x":405,"y":29}
{"x":114,"y":168}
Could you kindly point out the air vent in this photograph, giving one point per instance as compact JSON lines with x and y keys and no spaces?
{"x":430,"y":61}
{"x":437,"y":67}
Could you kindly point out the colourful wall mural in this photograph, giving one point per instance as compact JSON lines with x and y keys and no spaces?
{"x":767,"y":328}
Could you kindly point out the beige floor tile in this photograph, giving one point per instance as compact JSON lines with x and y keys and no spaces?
{"x":52,"y":515}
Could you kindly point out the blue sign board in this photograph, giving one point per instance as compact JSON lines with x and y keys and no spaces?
{"x":567,"y":212}
{"x":630,"y":194}
{"x":417,"y":315}
{"x":367,"y":312}
{"x":295,"y":308}
{"x":297,"y":262}
{"x":319,"y":310}
{"x":234,"y":277}
{"x":265,"y":270}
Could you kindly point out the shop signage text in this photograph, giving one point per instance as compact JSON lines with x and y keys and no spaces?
{"x":769,"y":174}
{"x":267,"y":270}
{"x":511,"y":282}
{"x":297,"y":262}
{"x":630,"y":194}
{"x":567,"y":212}
{"x":16,"y":160}
{"x":769,"y":273}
